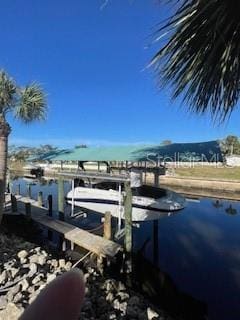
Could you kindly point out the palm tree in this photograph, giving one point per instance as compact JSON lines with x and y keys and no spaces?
{"x":200,"y":57}
{"x":26,"y":104}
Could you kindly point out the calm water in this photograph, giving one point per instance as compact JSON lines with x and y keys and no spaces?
{"x":193,"y":256}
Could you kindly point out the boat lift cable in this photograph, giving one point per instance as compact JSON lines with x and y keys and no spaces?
{"x":81,"y":259}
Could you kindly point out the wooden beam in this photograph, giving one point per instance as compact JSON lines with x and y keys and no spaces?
{"x":61,"y":198}
{"x":128,"y":217}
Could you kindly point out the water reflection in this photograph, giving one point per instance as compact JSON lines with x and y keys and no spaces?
{"x":230,"y":210}
{"x":217,"y":204}
{"x":192,"y":258}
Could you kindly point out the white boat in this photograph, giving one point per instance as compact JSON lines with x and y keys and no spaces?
{"x":150,"y":203}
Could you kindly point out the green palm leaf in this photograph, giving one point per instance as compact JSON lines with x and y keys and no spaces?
{"x":7,"y":92}
{"x":200,"y":60}
{"x":31,"y":105}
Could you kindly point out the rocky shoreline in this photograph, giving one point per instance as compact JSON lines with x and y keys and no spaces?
{"x":25,"y":270}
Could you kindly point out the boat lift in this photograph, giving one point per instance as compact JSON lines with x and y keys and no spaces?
{"x":90,"y":176}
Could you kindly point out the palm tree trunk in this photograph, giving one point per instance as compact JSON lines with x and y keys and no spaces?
{"x":4,"y":133}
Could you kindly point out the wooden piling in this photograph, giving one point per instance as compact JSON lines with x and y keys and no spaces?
{"x":29,"y":193}
{"x":40,"y":198}
{"x":156,"y":177}
{"x":50,"y":205}
{"x":13,"y":203}
{"x":128,"y":217}
{"x":28,"y":210}
{"x":61,"y":199}
{"x":18,"y":189}
{"x":107,"y":226}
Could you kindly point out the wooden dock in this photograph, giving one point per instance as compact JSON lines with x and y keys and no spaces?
{"x":84,"y":239}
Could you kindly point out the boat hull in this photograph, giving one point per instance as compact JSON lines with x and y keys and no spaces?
{"x":143,"y":208}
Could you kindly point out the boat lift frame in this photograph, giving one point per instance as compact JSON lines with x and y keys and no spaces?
{"x":120,"y":178}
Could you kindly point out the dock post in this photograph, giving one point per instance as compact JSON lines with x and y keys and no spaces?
{"x":29,"y":193}
{"x":107,"y":226}
{"x":128,"y":223}
{"x":61,"y":241}
{"x":50,"y":213}
{"x":50,"y":202}
{"x":156,"y":177}
{"x":13,"y":203}
{"x":28,"y":210}
{"x":40,"y":198}
{"x":18,"y":189}
{"x":61,"y":199}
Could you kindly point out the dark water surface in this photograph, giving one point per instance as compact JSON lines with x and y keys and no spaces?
{"x":194,"y":255}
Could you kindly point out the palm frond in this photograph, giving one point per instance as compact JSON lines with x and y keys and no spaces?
{"x":200,"y":60}
{"x":7,"y":92}
{"x":32,"y":104}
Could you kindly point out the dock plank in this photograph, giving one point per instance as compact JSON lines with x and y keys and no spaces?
{"x":89,"y":241}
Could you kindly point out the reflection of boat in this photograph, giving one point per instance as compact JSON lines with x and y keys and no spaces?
{"x":148,"y":203}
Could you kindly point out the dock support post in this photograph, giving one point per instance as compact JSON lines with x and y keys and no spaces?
{"x":61,"y":199}
{"x":50,"y":213}
{"x":61,"y":241}
{"x":40,"y":198}
{"x":28,"y":210}
{"x":50,"y":202}
{"x":156,"y":177}
{"x":18,"y":189}
{"x":128,"y":224}
{"x":108,"y":225}
{"x":13,"y":203}
{"x":29,"y":193}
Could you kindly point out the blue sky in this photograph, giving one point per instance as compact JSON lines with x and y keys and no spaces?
{"x":91,"y":62}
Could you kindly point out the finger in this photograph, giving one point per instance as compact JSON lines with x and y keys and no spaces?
{"x":60,"y":300}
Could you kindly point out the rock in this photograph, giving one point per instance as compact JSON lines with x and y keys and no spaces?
{"x":68,"y":266}
{"x":22,"y":254}
{"x":37,"y":250}
{"x":3,"y":302}
{"x":132,"y":312}
{"x":13,"y":271}
{"x":38,"y":278}
{"x":31,"y":290}
{"x":23,"y":260}
{"x":121,"y":286}
{"x":17,"y":297}
{"x":50,"y":277}
{"x":33,"y":269}
{"x":112,"y":316}
{"x":134,"y":300}
{"x":123,"y":296}
{"x":24,"y":285}
{"x":14,"y":290}
{"x":54,"y":263}
{"x":12,"y":312}
{"x":151,"y":314}
{"x":86,"y":276}
{"x":3,"y":277}
{"x":34,"y":258}
{"x":41,"y":260}
{"x":44,"y":253}
{"x":62,"y":263}
{"x":111,"y":285}
{"x":110,"y":297}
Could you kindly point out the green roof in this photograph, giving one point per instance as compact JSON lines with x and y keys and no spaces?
{"x":175,"y":151}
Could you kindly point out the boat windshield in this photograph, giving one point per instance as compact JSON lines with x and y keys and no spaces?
{"x":143,"y":191}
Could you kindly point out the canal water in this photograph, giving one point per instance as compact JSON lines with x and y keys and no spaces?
{"x":192,"y":258}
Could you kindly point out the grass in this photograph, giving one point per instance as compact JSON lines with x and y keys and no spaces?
{"x":210,"y":172}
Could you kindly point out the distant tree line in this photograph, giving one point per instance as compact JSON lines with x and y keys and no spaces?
{"x":22,"y":153}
